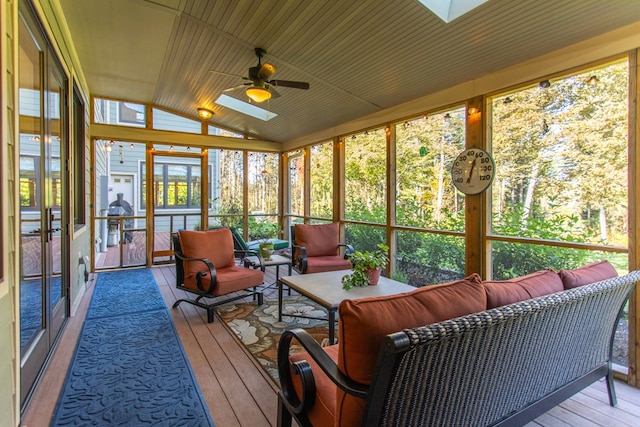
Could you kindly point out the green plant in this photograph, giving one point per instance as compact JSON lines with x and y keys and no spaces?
{"x":262,"y":230}
{"x":363,"y":261}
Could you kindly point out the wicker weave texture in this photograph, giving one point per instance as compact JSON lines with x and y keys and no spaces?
{"x":476,"y":369}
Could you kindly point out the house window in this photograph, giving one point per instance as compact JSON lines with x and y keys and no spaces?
{"x":175,"y":186}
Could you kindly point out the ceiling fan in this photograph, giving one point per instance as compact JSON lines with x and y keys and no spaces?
{"x":260,"y":87}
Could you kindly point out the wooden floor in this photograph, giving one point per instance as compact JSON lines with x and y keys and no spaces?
{"x":239,"y":393}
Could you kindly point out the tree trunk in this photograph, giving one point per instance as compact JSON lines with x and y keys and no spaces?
{"x":603,"y":223}
{"x":528,"y":201}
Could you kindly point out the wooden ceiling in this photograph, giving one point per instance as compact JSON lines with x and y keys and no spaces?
{"x":359,"y":57}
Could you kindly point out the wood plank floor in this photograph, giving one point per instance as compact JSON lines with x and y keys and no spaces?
{"x":239,"y":393}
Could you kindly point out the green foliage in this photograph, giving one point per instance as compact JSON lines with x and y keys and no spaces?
{"x":363,"y":261}
{"x":262,"y":230}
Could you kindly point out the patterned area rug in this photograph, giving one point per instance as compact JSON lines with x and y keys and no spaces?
{"x":129,"y":367}
{"x":258,"y":328}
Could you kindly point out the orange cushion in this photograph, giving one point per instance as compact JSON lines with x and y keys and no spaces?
{"x":327,"y":263}
{"x":503,"y":292}
{"x":540,"y":283}
{"x":323,"y":411}
{"x":318,"y":239}
{"x":215,"y":245}
{"x":230,"y":279}
{"x":586,"y":274}
{"x":365,"y":322}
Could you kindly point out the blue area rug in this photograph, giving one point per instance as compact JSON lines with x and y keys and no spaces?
{"x":129,"y":368}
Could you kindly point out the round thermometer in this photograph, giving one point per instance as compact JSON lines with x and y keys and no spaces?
{"x":473,"y":170}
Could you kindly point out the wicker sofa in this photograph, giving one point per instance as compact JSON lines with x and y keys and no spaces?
{"x":499,"y":365}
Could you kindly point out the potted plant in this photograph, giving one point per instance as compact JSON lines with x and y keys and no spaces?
{"x":367,"y":267}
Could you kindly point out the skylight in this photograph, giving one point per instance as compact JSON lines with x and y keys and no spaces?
{"x":245,"y":108}
{"x":448,"y":10}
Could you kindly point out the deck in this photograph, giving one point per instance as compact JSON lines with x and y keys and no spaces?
{"x":239,"y":393}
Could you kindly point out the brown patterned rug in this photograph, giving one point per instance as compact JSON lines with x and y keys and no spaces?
{"x":259,"y":330}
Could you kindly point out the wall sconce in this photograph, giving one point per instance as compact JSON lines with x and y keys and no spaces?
{"x":108,"y":146}
{"x":472,"y":111}
{"x":545,"y":84}
{"x":593,"y":80}
{"x":204,"y":113}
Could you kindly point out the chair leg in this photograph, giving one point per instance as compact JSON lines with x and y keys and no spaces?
{"x":613,"y":401}
{"x":284,"y":417}
{"x":210,"y":312}
{"x":260,"y":298}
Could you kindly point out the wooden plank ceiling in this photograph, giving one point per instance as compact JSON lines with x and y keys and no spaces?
{"x":358,"y":56}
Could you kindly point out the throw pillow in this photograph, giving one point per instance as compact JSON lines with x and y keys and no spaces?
{"x":586,"y":274}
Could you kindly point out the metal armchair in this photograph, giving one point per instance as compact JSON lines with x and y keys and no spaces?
{"x":205,"y":266}
{"x":316,"y":248}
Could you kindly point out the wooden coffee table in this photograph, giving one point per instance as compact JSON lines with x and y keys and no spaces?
{"x":326,"y":290}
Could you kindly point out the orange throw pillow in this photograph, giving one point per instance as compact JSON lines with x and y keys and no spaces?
{"x":586,"y":274}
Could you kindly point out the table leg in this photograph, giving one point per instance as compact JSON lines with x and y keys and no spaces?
{"x":279,"y":300}
{"x":332,"y":326}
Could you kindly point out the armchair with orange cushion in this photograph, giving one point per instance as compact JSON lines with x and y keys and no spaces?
{"x":206,"y":266}
{"x":316,"y":248}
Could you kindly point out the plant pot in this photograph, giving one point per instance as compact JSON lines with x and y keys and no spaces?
{"x":266,"y":250}
{"x":373,"y":274}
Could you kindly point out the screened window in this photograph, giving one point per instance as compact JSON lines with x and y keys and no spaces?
{"x":365,"y":185}
{"x":79,"y":157}
{"x":425,"y":150}
{"x":263,"y":183}
{"x":561,"y":156}
{"x":321,"y":184}
{"x":296,"y":183}
{"x":119,"y":113}
{"x":164,"y":120}
{"x":228,"y":193}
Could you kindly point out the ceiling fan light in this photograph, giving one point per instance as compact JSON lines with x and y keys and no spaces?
{"x":204,"y":113}
{"x":258,"y":94}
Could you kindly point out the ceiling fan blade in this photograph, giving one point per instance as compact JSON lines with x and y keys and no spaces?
{"x":274,"y":93}
{"x":228,"y":74}
{"x":266,"y":71}
{"x":236,"y":87}
{"x":288,"y":83}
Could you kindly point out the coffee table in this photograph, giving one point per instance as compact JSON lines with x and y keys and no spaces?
{"x":326,"y":290}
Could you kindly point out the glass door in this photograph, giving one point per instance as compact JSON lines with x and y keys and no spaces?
{"x":44,"y":271}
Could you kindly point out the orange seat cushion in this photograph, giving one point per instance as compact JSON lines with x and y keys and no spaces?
{"x":230,"y":279}
{"x":327,"y":263}
{"x":586,"y":274}
{"x":365,"y":322}
{"x":216,"y":246}
{"x":323,"y":411}
{"x":318,"y":239}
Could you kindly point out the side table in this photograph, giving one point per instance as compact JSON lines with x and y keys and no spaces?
{"x":275,"y":261}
